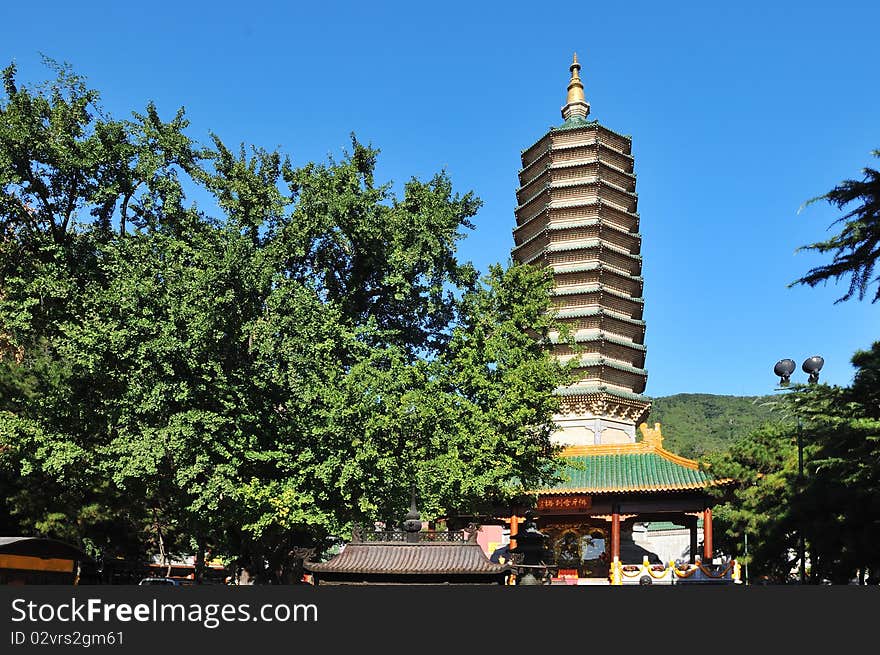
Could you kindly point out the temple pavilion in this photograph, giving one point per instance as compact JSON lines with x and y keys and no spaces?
{"x":577,"y":213}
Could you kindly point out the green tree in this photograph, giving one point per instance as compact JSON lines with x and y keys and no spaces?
{"x":844,"y":474}
{"x":857,"y":246}
{"x":258,"y":374}
{"x":835,"y":505}
{"x":758,"y":501}
{"x":698,"y":424}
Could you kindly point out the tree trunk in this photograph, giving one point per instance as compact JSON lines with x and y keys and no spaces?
{"x":162,"y":555}
{"x":200,"y":560}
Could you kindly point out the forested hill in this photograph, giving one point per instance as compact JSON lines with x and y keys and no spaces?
{"x":697,"y":423}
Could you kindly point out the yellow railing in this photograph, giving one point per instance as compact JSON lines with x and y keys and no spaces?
{"x":671,"y":574}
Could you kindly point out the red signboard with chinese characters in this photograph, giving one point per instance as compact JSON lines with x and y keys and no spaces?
{"x":570,"y":502}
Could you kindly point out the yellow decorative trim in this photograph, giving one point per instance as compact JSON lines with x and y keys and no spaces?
{"x":678,"y":459}
{"x":637,"y":448}
{"x":652,"y":442}
{"x":619,"y":571}
{"x":646,"y":568}
{"x":686,"y":573}
{"x":608,"y":490}
{"x":616,"y":572}
{"x":651,"y":436}
{"x":30,"y":563}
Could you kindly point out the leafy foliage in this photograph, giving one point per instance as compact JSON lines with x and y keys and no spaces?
{"x":856,"y":247}
{"x":695,"y":425}
{"x":258,"y":377}
{"x":834,"y":505}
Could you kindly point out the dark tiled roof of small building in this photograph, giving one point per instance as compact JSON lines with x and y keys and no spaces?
{"x":39,"y":547}
{"x":420,"y":558}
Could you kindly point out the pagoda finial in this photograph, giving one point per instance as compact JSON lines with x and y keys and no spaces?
{"x":576,"y":105}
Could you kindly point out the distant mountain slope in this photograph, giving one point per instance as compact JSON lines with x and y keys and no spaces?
{"x":698,"y":423}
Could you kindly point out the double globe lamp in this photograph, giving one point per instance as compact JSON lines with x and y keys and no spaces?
{"x":784,"y":368}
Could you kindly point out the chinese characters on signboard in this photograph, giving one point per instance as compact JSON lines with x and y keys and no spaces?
{"x":573,"y":502}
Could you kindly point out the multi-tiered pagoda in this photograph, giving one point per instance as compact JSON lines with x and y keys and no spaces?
{"x":577,"y":213}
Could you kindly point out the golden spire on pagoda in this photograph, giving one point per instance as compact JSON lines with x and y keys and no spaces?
{"x":576,"y":105}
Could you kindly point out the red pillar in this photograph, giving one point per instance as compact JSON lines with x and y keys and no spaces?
{"x":707,"y":535}
{"x":514,"y":529}
{"x":615,"y":533}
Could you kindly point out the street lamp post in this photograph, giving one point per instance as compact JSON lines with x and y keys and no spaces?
{"x":784,"y":368}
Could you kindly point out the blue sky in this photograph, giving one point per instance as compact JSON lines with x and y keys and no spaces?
{"x":738,"y":114}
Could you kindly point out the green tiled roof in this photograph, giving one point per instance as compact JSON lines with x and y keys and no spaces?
{"x":646,"y":471}
{"x":666,"y":526}
{"x":593,"y":311}
{"x":589,"y":287}
{"x":591,"y":360}
{"x":584,"y":389}
{"x":603,"y":336}
{"x":574,"y":123}
{"x":593,"y":266}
